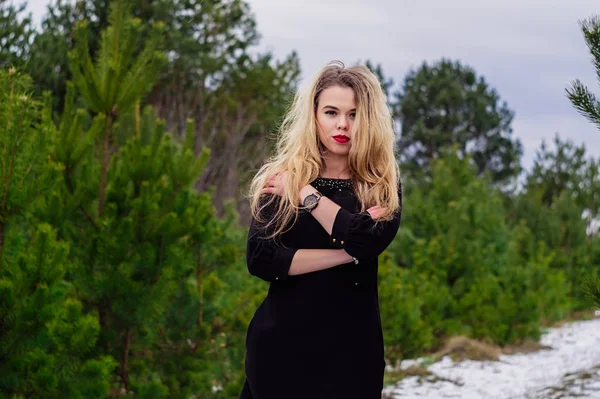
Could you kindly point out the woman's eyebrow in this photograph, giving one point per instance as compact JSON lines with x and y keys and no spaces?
{"x":336,"y":108}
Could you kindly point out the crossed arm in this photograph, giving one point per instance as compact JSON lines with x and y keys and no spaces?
{"x":310,"y":260}
{"x":354,"y":234}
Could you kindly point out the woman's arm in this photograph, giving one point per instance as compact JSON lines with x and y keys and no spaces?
{"x":311,"y":260}
{"x":357,"y":233}
{"x":270,"y":261}
{"x":325,"y":212}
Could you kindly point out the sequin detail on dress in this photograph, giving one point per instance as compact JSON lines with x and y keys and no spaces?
{"x":336,"y":184}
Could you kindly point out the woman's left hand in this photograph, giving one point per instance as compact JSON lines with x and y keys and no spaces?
{"x":275,"y":184}
{"x":376,"y":212}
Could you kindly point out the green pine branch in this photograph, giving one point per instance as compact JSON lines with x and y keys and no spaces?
{"x":587,"y":104}
{"x":591,"y":289}
{"x":581,"y":97}
{"x":118,"y":78}
{"x":584,"y":101}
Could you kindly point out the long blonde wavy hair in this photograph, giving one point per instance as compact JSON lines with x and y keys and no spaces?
{"x":299,"y":151}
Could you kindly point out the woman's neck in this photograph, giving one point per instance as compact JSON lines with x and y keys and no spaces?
{"x":336,"y":170}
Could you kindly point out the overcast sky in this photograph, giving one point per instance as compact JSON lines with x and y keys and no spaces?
{"x":528,"y":50}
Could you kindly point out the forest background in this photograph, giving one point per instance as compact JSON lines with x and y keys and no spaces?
{"x":128,"y":134}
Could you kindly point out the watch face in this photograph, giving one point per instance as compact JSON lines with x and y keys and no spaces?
{"x":310,"y":200}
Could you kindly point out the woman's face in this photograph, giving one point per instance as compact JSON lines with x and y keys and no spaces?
{"x":335,"y":118}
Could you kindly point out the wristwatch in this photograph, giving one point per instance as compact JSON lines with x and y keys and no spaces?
{"x":311,"y":201}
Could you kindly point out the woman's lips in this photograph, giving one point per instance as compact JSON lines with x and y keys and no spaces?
{"x":341,"y":139}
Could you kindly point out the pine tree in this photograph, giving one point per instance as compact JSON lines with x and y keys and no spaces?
{"x":143,"y":239}
{"x":587,"y":104}
{"x":46,"y":340}
{"x":448,"y":103}
{"x":16,"y":31}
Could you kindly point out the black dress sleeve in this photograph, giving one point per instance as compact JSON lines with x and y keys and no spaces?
{"x":266,"y":258}
{"x":360,"y":236}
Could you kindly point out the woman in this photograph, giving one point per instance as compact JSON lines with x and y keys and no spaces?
{"x":323,"y":209}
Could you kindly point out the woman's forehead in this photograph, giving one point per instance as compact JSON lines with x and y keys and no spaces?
{"x":338,"y":98}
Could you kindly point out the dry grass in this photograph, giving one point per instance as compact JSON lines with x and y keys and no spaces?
{"x":524,"y":347}
{"x":587,"y":314}
{"x":574,"y":384}
{"x":391,"y":377}
{"x":463,"y":348}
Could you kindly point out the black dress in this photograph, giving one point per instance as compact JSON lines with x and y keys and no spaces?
{"x":318,"y":335}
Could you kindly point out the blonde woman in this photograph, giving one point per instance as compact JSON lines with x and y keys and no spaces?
{"x":323,"y":208}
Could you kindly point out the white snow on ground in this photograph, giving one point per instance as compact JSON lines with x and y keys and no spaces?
{"x":572,"y":366}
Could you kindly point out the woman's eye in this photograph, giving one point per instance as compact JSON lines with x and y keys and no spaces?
{"x":353,"y":115}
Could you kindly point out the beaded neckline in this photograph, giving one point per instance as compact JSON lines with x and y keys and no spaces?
{"x":331,"y":182}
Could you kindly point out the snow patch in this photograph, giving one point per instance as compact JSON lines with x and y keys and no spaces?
{"x":571,"y":367}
